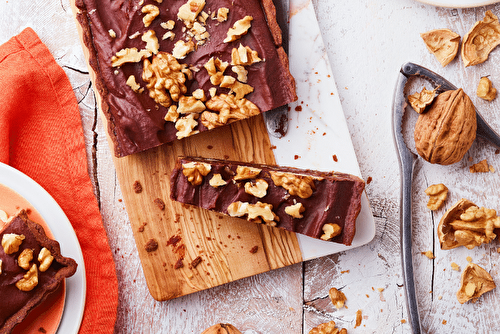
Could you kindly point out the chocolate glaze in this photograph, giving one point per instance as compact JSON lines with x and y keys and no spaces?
{"x":135,"y":120}
{"x":336,"y":197}
{"x":16,"y":303}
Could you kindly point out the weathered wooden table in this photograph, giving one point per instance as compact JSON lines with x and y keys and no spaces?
{"x":367,"y":42}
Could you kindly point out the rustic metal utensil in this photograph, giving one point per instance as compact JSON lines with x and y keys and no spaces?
{"x":407,"y":161}
{"x":277,"y":119}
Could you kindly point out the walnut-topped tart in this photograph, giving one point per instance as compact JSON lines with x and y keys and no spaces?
{"x":322,"y":205}
{"x":166,"y":70}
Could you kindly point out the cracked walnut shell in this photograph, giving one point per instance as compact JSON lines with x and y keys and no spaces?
{"x":446,"y":131}
{"x":481,"y":40}
{"x":442,"y":43}
{"x":465,"y":224}
{"x":475,"y":281}
{"x":421,"y":100}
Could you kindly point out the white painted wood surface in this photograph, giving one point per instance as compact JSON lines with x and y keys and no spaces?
{"x":367,"y":41}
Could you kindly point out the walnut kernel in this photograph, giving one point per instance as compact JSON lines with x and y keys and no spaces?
{"x":190,"y":10}
{"x":129,"y":55}
{"x":475,"y":281}
{"x":134,"y":85}
{"x":330,"y":231}
{"x":420,"y":101}
{"x":185,"y":126}
{"x":181,"y":49}
{"x":29,"y":280}
{"x":217,"y":181}
{"x":254,"y":212}
{"x":257,"y":189}
{"x":152,"y":44}
{"x":485,"y":89}
{"x":45,"y":258}
{"x":151,"y":12}
{"x":24,"y":259}
{"x":480,"y":167}
{"x":4,"y":216}
{"x":11,"y":242}
{"x":222,"y":14}
{"x":245,"y":173}
{"x":437,"y":195}
{"x":337,"y":297}
{"x":189,"y":104}
{"x":239,"y":29}
{"x":295,"y":210}
{"x":300,"y":185}
{"x":194,"y":171}
{"x":244,"y":55}
{"x":328,"y":328}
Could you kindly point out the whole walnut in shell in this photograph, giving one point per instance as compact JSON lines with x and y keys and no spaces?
{"x":446,"y":131}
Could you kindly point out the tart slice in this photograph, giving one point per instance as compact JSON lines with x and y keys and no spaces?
{"x":322,"y":205}
{"x":31,"y":266}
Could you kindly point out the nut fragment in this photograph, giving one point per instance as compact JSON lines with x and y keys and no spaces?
{"x":420,"y":100}
{"x":480,"y":167}
{"x":45,"y":258}
{"x":221,"y":329}
{"x":11,"y":242}
{"x":29,"y":280}
{"x":467,"y":225}
{"x":475,"y":281}
{"x":129,"y":55}
{"x":257,"y":188}
{"x":189,"y":104}
{"x":254,"y":212}
{"x":330,"y":231}
{"x":24,"y":259}
{"x":4,"y":216}
{"x":244,"y":55}
{"x":190,"y":10}
{"x":194,"y":171}
{"x":328,"y":328}
{"x":181,"y":49}
{"x":133,"y":84}
{"x":337,"y":297}
{"x":151,"y":40}
{"x":437,"y":195}
{"x":300,"y":185}
{"x":151,"y":12}
{"x":222,"y":14}
{"x":483,"y":37}
{"x":217,"y":181}
{"x":245,"y":173}
{"x":442,"y":43}
{"x":446,"y":131}
{"x":295,"y":210}
{"x":239,"y":29}
{"x":227,"y":109}
{"x":485,"y":89}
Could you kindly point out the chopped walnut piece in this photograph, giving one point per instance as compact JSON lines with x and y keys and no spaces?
{"x":480,"y":167}
{"x":217,"y":181}
{"x":189,"y":104}
{"x":295,"y":210}
{"x":239,"y":29}
{"x":467,"y":225}
{"x":475,"y":281}
{"x":485,"y":89}
{"x":29,"y":280}
{"x":151,"y":12}
{"x":168,"y":35}
{"x":455,"y":266}
{"x":129,"y":55}
{"x":164,"y":78}
{"x":442,"y":43}
{"x":112,"y":33}
{"x":337,"y":297}
{"x":239,"y":89}
{"x":45,"y":259}
{"x":151,"y":245}
{"x":254,"y":212}
{"x":483,"y":37}
{"x":420,"y":101}
{"x":241,"y":72}
{"x":300,"y":185}
{"x":152,"y":44}
{"x":328,"y":328}
{"x":4,"y":216}
{"x":172,"y":114}
{"x":185,"y":126}
{"x":437,"y":195}
{"x":330,"y":231}
{"x":181,"y":49}
{"x":429,"y":254}
{"x":24,"y":259}
{"x":169,"y":25}
{"x":244,"y":55}
{"x":257,"y":189}
{"x":189,"y":11}
{"x":214,"y":65}
{"x":222,"y":14}
{"x":11,"y":242}
{"x":134,"y":85}
{"x":194,"y":171}
{"x":245,"y":173}
{"x":228,"y":109}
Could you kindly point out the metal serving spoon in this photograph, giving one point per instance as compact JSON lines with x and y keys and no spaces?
{"x":407,"y":161}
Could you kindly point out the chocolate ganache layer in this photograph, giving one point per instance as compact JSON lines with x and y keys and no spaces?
{"x":322,"y":205}
{"x":137,"y":112}
{"x":18,"y":289}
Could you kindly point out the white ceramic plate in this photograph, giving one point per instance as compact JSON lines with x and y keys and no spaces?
{"x":458,"y":3}
{"x":63,"y":232}
{"x":318,"y":130}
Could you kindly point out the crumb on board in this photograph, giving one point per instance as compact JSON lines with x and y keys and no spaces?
{"x":151,"y":245}
{"x":455,"y":266}
{"x":137,"y":187}
{"x":159,"y":203}
{"x":254,"y":249}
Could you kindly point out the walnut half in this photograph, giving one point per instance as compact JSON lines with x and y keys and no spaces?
{"x":475,"y":281}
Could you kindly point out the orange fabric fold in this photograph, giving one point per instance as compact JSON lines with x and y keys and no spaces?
{"x":41,"y":135}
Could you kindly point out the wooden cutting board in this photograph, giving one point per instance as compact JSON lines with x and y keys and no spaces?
{"x":224,"y":244}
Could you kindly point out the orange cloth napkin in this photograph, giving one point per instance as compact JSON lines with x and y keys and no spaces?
{"x":41,"y":135}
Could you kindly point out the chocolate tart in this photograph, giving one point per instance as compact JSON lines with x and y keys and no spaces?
{"x":322,"y":205}
{"x":140,"y":117}
{"x":17,"y":301}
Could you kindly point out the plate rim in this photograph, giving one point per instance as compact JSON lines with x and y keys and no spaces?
{"x":458,"y":3}
{"x":51,"y":212}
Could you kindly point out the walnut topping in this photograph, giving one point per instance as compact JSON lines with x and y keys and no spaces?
{"x":45,"y":258}
{"x":295,"y":210}
{"x":185,"y":126}
{"x":4,"y":216}
{"x":443,"y":43}
{"x":199,"y":32}
{"x":129,"y":55}
{"x":485,"y":89}
{"x":112,"y":33}
{"x":217,"y":181}
{"x":134,"y":85}
{"x":229,"y":109}
{"x":437,"y":195}
{"x":420,"y":101}
{"x":29,"y":280}
{"x":194,"y":171}
{"x":244,"y":55}
{"x":254,"y":212}
{"x":152,"y":44}
{"x":300,"y":185}
{"x":172,"y":114}
{"x":164,"y":78}
{"x":239,"y":29}
{"x":11,"y":242}
{"x":151,"y":12}
{"x":24,"y":259}
{"x":241,"y":72}
{"x":474,"y":282}
{"x":257,"y":189}
{"x":481,"y":40}
{"x":181,"y":49}
{"x":168,"y":35}
{"x":337,"y":297}
{"x":169,"y":25}
{"x":467,"y":225}
{"x":189,"y":11}
{"x":215,"y":65}
{"x":245,"y":173}
{"x":222,"y":14}
{"x":330,"y":231}
{"x":239,"y":89}
{"x":328,"y":328}
{"x":1,"y":266}
{"x":189,"y":104}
